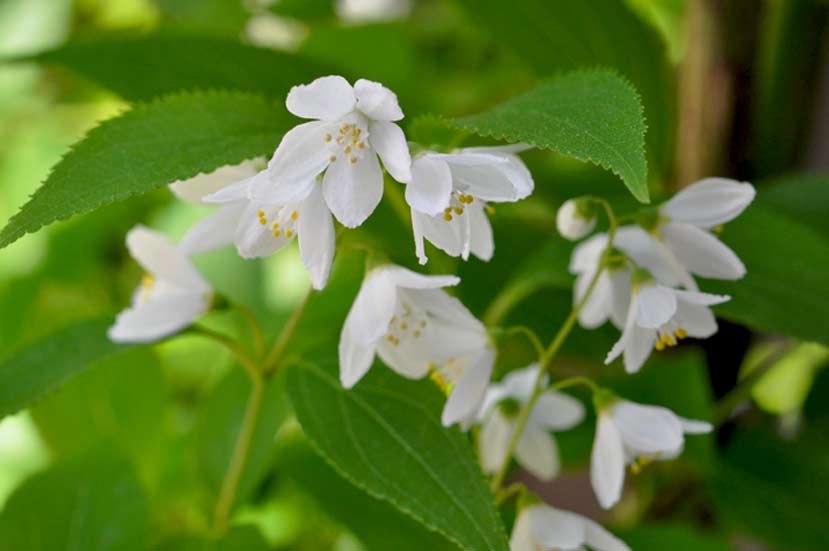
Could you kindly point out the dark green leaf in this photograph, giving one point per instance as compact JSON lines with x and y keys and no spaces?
{"x":143,"y":67}
{"x":377,"y":524}
{"x":385,"y":436}
{"x":555,"y":35}
{"x":592,"y":116}
{"x":93,"y":503}
{"x":153,"y":145}
{"x":43,"y":366}
{"x":804,"y":198}
{"x":660,"y":537}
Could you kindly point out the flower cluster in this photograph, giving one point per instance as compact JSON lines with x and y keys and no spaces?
{"x":639,"y":277}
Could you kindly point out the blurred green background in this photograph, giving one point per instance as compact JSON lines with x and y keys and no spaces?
{"x":735,"y":88}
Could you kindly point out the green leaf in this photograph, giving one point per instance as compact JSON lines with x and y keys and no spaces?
{"x":94,"y":503}
{"x":238,"y":538}
{"x":658,"y":537}
{"x":385,"y":436}
{"x":45,"y":365}
{"x":149,"y":147}
{"x":560,"y":35}
{"x":775,"y":490}
{"x":140,"y":68}
{"x":220,"y":422}
{"x":801,"y":197}
{"x":592,"y":116}
{"x":378,"y":525}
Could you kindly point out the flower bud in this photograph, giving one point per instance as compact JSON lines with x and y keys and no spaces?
{"x":576,"y":218}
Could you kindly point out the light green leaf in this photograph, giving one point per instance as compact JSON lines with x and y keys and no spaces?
{"x":238,"y":538}
{"x":140,"y":68}
{"x":560,"y":35}
{"x":385,"y":436}
{"x":220,"y":422}
{"x":151,"y":146}
{"x":592,"y":116}
{"x":93,"y":503}
{"x":378,"y":525}
{"x":45,"y":365}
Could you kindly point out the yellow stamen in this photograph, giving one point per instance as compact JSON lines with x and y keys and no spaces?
{"x":277,"y":233}
{"x":719,"y":229}
{"x":447,"y":217}
{"x":659,"y":346}
{"x":347,"y":149}
{"x":352,"y":160}
{"x":294,"y":215}
{"x":289,"y":233}
{"x":458,"y":210}
{"x":327,"y":137}
{"x":681,"y":333}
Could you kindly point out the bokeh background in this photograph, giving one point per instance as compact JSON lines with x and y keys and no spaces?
{"x":737,"y":88}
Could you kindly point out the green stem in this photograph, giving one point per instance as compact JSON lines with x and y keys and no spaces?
{"x":531,"y":336}
{"x":549,"y":354}
{"x":258,"y":339}
{"x":509,"y":492}
{"x":285,"y":335}
{"x":244,"y":360}
{"x":575,"y":381}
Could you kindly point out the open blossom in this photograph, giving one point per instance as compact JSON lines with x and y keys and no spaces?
{"x":633,"y":434}
{"x":658,"y":317}
{"x":448,"y":196}
{"x":417,"y":328}
{"x":353,"y":126}
{"x":543,"y":528}
{"x":194,"y":189}
{"x":260,"y":230}
{"x":172,"y":295}
{"x":536,"y":450}
{"x":680,"y":237}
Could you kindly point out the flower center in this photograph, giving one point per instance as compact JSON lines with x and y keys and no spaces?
{"x":349,"y":141}
{"x":642,"y":461}
{"x":407,"y":323}
{"x":457,"y":204}
{"x":281,"y":220}
{"x":669,"y":335}
{"x":147,"y":284}
{"x":437,"y":377}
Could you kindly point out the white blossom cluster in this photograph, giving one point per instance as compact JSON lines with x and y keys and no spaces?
{"x":639,"y":277}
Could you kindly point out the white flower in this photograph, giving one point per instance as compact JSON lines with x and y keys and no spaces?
{"x":194,"y":189}
{"x":172,"y":295}
{"x":544,"y":528}
{"x":354,"y":125}
{"x":681,"y":240}
{"x":536,"y":450}
{"x":449,"y":193}
{"x":415,"y":327}
{"x":658,"y":317}
{"x":629,"y":433}
{"x":576,"y":218}
{"x":367,"y":11}
{"x":258,"y":230}
{"x":611,"y":294}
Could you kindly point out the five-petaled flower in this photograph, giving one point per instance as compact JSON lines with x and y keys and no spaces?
{"x":449,"y":192}
{"x":418,"y":329}
{"x":540,"y":527}
{"x":172,"y":295}
{"x":536,"y":450}
{"x":354,"y":125}
{"x":633,"y":434}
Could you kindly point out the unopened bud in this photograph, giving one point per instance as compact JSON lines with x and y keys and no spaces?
{"x":576,"y":218}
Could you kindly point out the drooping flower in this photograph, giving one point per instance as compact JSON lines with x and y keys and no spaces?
{"x":258,"y":230}
{"x":172,"y":295}
{"x":576,"y":218}
{"x":610,"y":297}
{"x":417,"y":328}
{"x":353,"y":126}
{"x":543,"y":528}
{"x":633,"y":434}
{"x":658,"y":317}
{"x":194,"y":189}
{"x":536,"y":451}
{"x":449,"y":192}
{"x":679,"y":233}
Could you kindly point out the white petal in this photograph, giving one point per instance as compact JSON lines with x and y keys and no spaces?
{"x":509,"y":148}
{"x":607,"y":462}
{"x":373,"y":308}
{"x":656,"y":305}
{"x":652,"y":254}
{"x":695,"y":297}
{"x":302,"y":154}
{"x":647,"y":429}
{"x":213,"y":231}
{"x":702,"y":253}
{"x":326,"y":98}
{"x":515,"y":169}
{"x":519,"y":384}
{"x":630,"y":325}
{"x":376,"y":101}
{"x":353,"y":191}
{"x":481,"y":242}
{"x":521,"y":539}
{"x":233,"y":193}
{"x":266,"y":191}
{"x":355,"y":357}
{"x":409,"y":359}
{"x":557,"y":411}
{"x":600,"y":539}
{"x":639,"y":347}
{"x":493,"y":441}
{"x":587,"y":254}
{"x":446,"y":236}
{"x":163,"y":259}
{"x":709,"y":202}
{"x":254,"y":239}
{"x":620,"y":286}
{"x":489,"y":177}
{"x":402,"y":277}
{"x":468,"y":391}
{"x":571,"y":224}
{"x":417,"y":233}
{"x":596,"y":310}
{"x":193,"y":189}
{"x":316,"y":237}
{"x":430,"y":190}
{"x":555,"y":529}
{"x":697,"y":320}
{"x":158,"y":318}
{"x":693,"y":426}
{"x":389,"y":142}
{"x":538,"y":454}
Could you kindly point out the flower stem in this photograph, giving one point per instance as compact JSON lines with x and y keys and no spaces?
{"x":575,"y":381}
{"x":244,"y":360}
{"x":258,"y":340}
{"x":531,"y":336}
{"x":285,"y":335}
{"x":549,"y":354}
